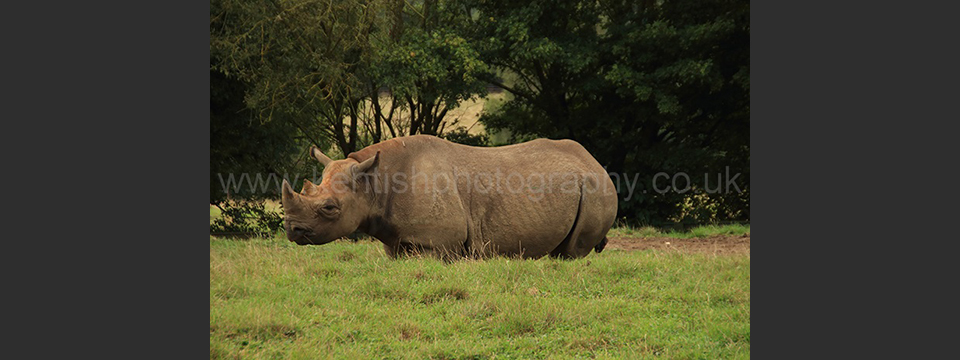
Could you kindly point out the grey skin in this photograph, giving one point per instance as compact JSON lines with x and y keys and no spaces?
{"x":423,"y":194}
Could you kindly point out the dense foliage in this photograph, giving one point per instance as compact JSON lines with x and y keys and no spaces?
{"x":647,"y":87}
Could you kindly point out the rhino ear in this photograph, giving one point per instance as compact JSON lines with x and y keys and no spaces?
{"x":369,"y":164}
{"x":316,"y":153}
{"x":364,"y":169}
{"x":288,"y":197}
{"x":308,"y":188}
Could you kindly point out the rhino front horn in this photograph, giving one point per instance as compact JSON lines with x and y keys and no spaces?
{"x":287,"y":194}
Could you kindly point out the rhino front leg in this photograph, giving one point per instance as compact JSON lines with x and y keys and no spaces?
{"x":391,"y":250}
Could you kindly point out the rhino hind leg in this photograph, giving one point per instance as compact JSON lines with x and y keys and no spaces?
{"x":588,"y":232}
{"x":601,"y":245}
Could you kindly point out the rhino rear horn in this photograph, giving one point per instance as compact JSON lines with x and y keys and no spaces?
{"x":316,"y":153}
{"x":308,"y":188}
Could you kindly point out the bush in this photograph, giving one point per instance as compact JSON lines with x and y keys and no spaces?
{"x":251,"y":217}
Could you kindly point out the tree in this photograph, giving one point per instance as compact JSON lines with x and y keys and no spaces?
{"x":328,"y":60}
{"x":239,"y":143}
{"x":302,"y":60}
{"x":429,"y":65}
{"x":646,"y":87}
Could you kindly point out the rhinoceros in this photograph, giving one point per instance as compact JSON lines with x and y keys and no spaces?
{"x":426,"y":195}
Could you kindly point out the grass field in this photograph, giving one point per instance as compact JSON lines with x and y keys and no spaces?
{"x":272,"y":299}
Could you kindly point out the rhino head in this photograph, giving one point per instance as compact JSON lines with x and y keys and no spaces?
{"x":333,"y":209}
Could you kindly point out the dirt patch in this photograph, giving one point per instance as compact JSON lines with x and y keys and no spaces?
{"x":720,"y":244}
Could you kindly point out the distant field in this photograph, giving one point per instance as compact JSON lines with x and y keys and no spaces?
{"x":271,"y":299}
{"x":466,"y":114}
{"x":695,"y":232}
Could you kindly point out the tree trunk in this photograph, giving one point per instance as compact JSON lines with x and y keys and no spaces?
{"x":338,"y":128}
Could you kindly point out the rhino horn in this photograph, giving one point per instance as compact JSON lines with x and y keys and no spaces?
{"x":288,"y":197}
{"x":323,"y":159}
{"x":308,"y":188}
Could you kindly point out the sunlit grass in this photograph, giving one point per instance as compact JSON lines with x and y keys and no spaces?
{"x":270,"y":298}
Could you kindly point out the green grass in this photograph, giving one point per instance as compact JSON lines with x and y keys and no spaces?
{"x":215,"y":213}
{"x":271,"y":299}
{"x":695,"y":232}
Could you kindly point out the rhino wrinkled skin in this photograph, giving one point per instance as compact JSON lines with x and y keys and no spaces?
{"x":423,"y":194}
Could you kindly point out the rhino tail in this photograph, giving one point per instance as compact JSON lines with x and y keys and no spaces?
{"x":601,"y":245}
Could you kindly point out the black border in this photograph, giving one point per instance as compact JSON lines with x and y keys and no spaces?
{"x":847,"y":138}
{"x":108,"y":150}
{"x":107,"y":141}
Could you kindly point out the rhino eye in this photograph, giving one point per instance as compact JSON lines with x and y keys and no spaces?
{"x":329,"y":208}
